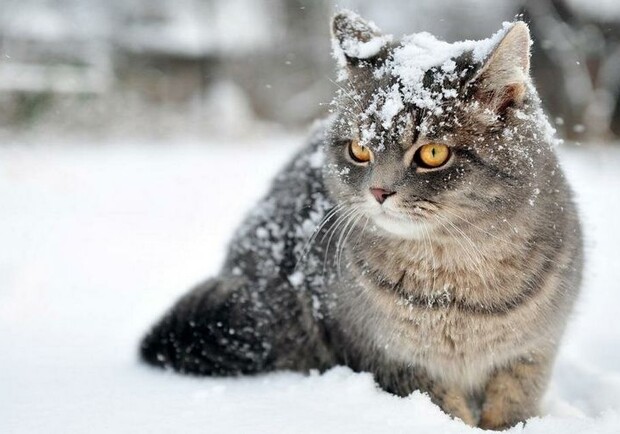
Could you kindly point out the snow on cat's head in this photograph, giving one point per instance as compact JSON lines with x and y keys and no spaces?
{"x":424,"y":126}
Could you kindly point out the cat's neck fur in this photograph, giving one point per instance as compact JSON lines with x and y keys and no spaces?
{"x":458,"y":263}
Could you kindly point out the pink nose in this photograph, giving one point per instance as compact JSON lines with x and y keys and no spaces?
{"x":380,"y":194}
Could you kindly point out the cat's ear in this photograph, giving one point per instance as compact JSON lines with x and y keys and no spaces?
{"x":502,"y":80}
{"x":355,"y":39}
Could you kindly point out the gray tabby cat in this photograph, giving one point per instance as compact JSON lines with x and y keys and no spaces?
{"x":426,"y":234}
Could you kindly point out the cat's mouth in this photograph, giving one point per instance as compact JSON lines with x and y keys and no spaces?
{"x":413,"y":223}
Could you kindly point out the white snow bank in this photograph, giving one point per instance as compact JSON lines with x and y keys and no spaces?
{"x":97,"y":242}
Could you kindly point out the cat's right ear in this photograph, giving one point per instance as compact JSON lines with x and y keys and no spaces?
{"x":355,"y":41}
{"x":502,"y":80}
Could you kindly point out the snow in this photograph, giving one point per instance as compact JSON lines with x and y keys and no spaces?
{"x":357,"y":49}
{"x":364,"y":50}
{"x":407,"y":66}
{"x":98,"y":241}
{"x":421,"y":52}
{"x":391,"y":107}
{"x":296,"y":279}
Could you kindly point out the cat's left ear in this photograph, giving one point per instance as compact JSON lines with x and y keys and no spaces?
{"x":356,"y":40}
{"x":502,"y":80}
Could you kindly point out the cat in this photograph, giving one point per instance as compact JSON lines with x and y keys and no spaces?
{"x":426,"y":234}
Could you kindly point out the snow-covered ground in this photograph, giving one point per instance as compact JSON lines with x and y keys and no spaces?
{"x":98,"y":241}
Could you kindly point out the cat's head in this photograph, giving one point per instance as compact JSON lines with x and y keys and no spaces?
{"x":426,"y":132}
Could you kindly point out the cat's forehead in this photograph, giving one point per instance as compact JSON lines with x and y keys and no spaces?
{"x":420,"y":77}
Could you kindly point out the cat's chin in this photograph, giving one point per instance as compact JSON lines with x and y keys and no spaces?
{"x":400,"y":227}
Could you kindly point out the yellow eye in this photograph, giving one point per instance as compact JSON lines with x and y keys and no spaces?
{"x":359,"y":153}
{"x":432,"y":155}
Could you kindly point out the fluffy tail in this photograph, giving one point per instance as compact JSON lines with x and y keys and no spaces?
{"x":223,"y":328}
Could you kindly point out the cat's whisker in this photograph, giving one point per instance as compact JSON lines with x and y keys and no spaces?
{"x":340,"y":238}
{"x":357,"y":218}
{"x":306,"y":249}
{"x":332,"y":231}
{"x":432,"y":257}
{"x":496,"y":237}
{"x":338,"y":220}
{"x":461,"y":234}
{"x":470,"y":252}
{"x":363,"y":230}
{"x":321,"y":224}
{"x":348,"y":94}
{"x":352,"y":220}
{"x":428,"y":251}
{"x":361,"y":234}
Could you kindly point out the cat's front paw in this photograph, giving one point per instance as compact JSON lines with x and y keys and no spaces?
{"x":495,"y":425}
{"x":497,"y":418}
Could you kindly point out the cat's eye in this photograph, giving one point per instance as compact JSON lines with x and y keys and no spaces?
{"x":432,"y":155}
{"x":359,"y":153}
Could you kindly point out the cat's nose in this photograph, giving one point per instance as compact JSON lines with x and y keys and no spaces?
{"x":381,"y":194}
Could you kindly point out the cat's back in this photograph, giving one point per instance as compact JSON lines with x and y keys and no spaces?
{"x":274,"y":234}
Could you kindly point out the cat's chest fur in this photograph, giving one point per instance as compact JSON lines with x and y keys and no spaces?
{"x":457,"y":313}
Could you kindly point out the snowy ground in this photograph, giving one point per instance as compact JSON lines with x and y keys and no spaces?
{"x":98,"y":241}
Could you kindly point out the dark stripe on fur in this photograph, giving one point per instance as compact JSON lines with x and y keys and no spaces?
{"x":530,"y":289}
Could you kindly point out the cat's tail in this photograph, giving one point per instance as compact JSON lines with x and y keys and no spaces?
{"x":223,"y":328}
{"x":213,"y":330}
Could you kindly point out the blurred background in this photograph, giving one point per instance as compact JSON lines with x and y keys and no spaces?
{"x":235,"y":68}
